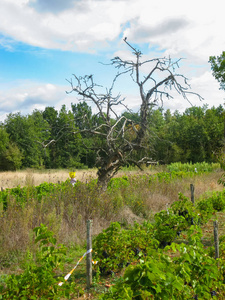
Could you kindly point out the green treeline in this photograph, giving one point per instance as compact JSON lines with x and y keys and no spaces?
{"x":49,"y":138}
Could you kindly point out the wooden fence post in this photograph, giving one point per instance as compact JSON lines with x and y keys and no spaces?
{"x":216,"y":239}
{"x":89,"y":254}
{"x":192,"y":193}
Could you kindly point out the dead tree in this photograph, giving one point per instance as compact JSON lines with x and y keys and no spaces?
{"x":117,"y":143}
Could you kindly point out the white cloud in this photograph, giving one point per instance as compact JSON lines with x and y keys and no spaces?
{"x":73,"y":29}
{"x":193,"y":30}
{"x":208,"y":88}
{"x":27,"y":96}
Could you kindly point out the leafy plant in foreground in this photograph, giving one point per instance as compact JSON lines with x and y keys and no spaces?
{"x":39,"y":280}
{"x":218,"y":201}
{"x":179,"y":272}
{"x":214,"y":202}
{"x":167,"y":226}
{"x":116,"y":248}
{"x":184,"y":207}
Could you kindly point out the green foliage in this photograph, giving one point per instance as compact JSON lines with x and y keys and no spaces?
{"x":152,"y":279}
{"x":10,"y":155}
{"x":25,"y":132}
{"x":4,"y":140}
{"x":39,"y":280}
{"x":218,"y":68}
{"x":218,"y":201}
{"x":189,"y":137}
{"x":184,"y":207}
{"x":167,"y":226}
{"x":206,"y":206}
{"x":188,"y":273}
{"x":116,"y":247}
{"x":23,"y":194}
{"x":222,"y":179}
{"x":117,"y":183}
{"x":178,"y":271}
{"x":13,"y":157}
{"x":215,"y":201}
{"x":197,"y":167}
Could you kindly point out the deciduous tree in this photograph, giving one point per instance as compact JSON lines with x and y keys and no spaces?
{"x":218,"y":68}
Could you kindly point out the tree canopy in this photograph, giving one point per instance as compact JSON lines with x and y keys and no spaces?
{"x":191,"y":136}
{"x":218,"y":68}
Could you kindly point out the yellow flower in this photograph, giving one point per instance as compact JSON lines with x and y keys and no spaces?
{"x":72,"y":174}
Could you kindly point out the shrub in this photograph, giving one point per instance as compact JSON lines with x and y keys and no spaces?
{"x":184,"y":207}
{"x":167,"y":226}
{"x":118,"y":182}
{"x":218,"y":201}
{"x":115,"y":247}
{"x":39,"y":279}
{"x":215,"y":202}
{"x":190,"y":274}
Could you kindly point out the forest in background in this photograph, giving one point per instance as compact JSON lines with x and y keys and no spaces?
{"x":49,"y":139}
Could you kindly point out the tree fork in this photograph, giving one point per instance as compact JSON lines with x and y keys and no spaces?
{"x":114,"y":132}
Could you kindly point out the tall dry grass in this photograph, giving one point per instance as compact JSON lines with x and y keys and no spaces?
{"x":65,"y":211}
{"x":11,"y":179}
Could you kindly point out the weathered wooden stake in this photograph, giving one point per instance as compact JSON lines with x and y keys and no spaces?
{"x":192,"y":193}
{"x":216,"y":239}
{"x":2,"y":189}
{"x":89,"y":255}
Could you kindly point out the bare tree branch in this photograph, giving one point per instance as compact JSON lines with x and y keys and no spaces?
{"x":120,"y":136}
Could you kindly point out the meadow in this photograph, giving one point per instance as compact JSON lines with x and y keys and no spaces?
{"x":26,"y":177}
{"x":132,"y":199}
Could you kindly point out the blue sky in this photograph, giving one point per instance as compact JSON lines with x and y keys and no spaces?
{"x":43,"y":42}
{"x":47,"y":65}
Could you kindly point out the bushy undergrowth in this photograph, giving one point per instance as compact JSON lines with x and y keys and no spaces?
{"x":64,"y":209}
{"x":39,"y":279}
{"x":181,"y":271}
{"x":197,"y":167}
{"x":116,"y":247}
{"x":185,"y":270}
{"x":214,"y":201}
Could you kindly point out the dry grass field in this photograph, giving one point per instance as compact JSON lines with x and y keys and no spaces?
{"x":11,"y":179}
